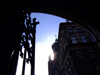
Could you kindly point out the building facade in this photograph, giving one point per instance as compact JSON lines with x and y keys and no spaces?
{"x":52,"y":67}
{"x":53,"y":64}
{"x":79,"y":53}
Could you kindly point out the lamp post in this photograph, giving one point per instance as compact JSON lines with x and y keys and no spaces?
{"x":33,"y":46}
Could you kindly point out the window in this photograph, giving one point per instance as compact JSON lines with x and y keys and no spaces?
{"x":73,"y":40}
{"x":54,"y":66}
{"x":93,"y":39}
{"x":70,"y":30}
{"x":83,"y":39}
{"x":79,"y":30}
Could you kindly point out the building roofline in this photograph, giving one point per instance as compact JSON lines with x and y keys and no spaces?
{"x":60,"y":26}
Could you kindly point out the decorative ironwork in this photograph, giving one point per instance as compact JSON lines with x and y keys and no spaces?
{"x":28,"y":42}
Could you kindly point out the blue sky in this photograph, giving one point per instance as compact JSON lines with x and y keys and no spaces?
{"x":49,"y":25}
{"x":45,"y":36}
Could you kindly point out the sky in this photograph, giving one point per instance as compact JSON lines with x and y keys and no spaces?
{"x":46,"y":30}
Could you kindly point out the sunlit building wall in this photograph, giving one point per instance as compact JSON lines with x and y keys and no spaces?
{"x":52,"y":67}
{"x":53,"y":64}
{"x":78,"y":53}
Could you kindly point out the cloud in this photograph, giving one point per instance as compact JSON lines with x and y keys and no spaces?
{"x":39,"y":45}
{"x":43,"y":50}
{"x":48,"y":38}
{"x":41,"y":66}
